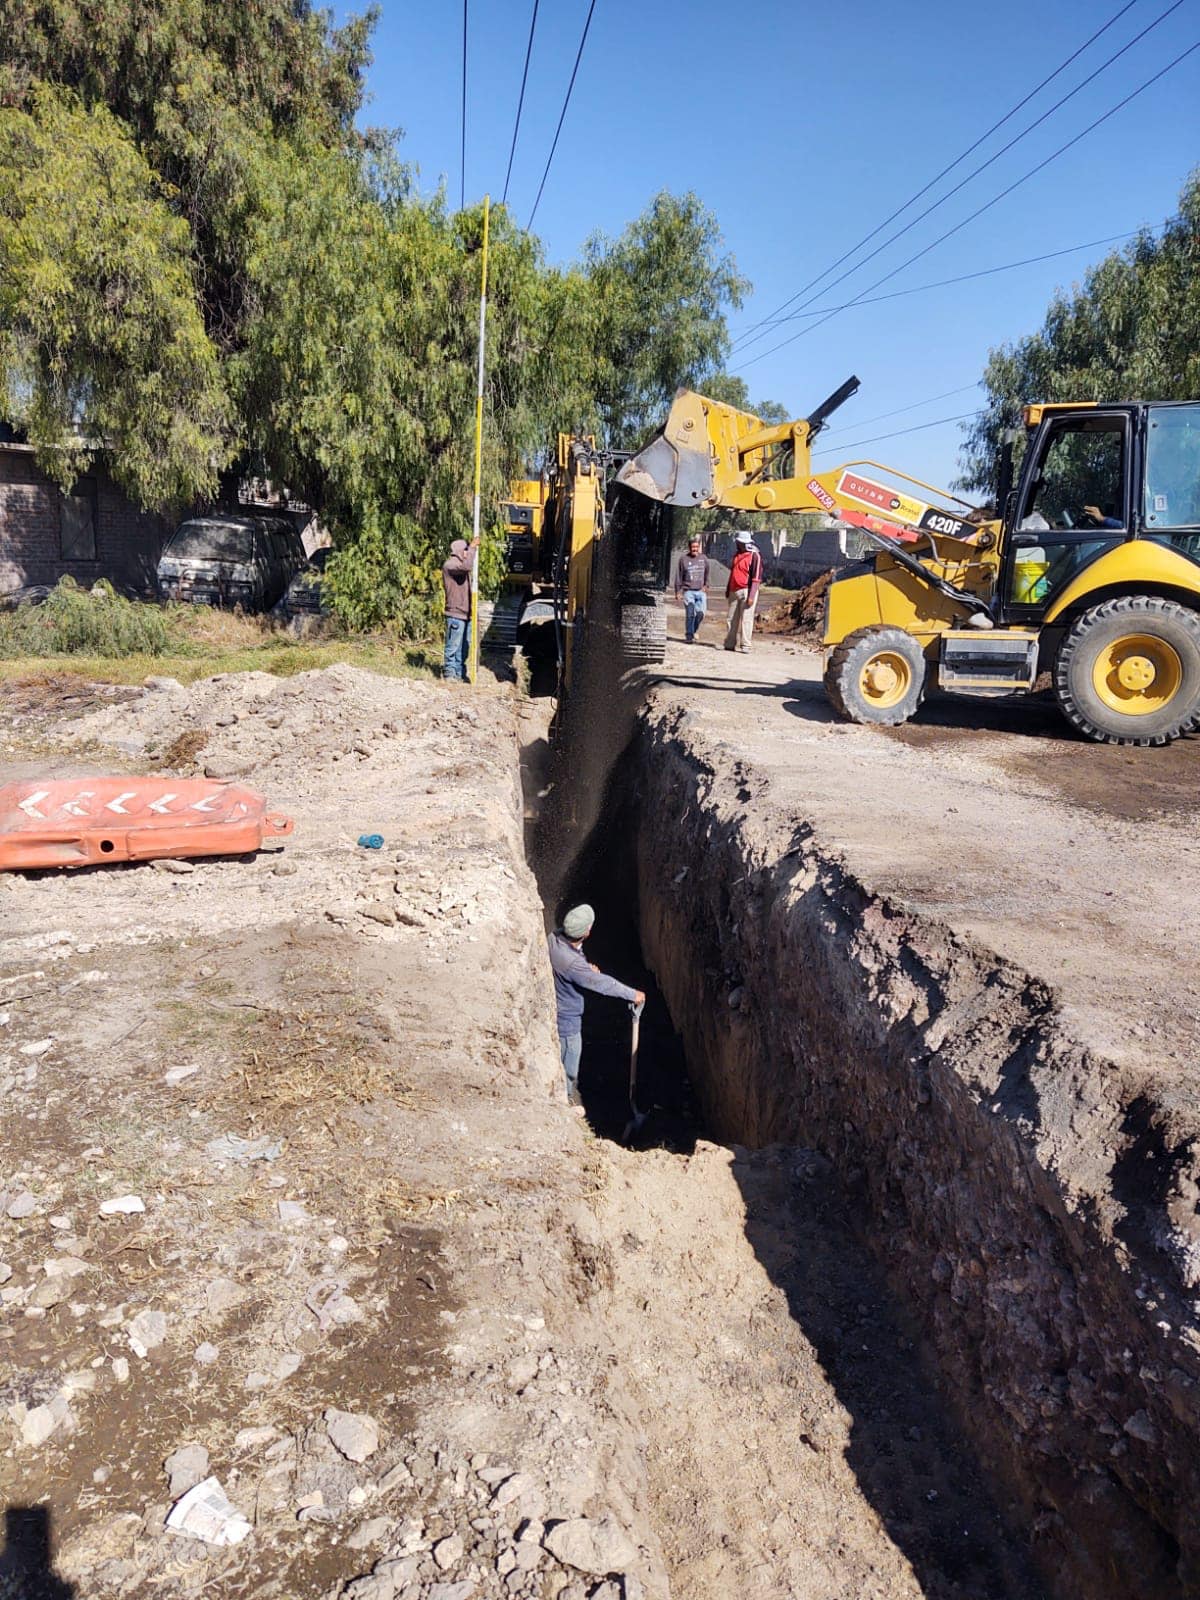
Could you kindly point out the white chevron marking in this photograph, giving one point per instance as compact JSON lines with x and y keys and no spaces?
{"x":115,"y":805}
{"x":73,"y":806}
{"x":161,"y":804}
{"x":30,"y":806}
{"x":206,"y":805}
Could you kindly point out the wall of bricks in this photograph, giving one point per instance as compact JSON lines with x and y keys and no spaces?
{"x":128,"y":541}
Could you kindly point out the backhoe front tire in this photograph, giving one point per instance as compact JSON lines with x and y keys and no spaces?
{"x":877,"y":676}
{"x":1128,"y":671}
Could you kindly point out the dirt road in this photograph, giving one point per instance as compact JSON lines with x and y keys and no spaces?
{"x":1072,"y":860}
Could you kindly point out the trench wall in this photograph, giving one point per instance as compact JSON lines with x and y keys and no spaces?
{"x":1034,"y":1208}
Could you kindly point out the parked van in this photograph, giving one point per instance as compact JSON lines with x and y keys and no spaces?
{"x":236,"y":558}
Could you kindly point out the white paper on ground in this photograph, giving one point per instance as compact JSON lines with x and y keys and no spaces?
{"x":205,"y":1513}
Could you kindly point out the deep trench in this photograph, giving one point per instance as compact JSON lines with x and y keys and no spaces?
{"x":963,"y":1535}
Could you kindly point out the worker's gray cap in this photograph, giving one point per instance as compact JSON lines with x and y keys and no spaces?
{"x":577,"y":923}
{"x":744,"y":537}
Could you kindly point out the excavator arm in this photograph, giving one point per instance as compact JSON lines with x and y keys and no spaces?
{"x":711,"y":454}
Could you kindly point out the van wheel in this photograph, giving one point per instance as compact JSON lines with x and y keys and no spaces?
{"x":876,"y":675}
{"x":1128,"y":671}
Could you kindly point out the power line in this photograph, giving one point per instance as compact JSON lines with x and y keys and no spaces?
{"x":917,"y":428}
{"x":865,"y":422}
{"x":520,"y":103}
{"x":462,"y":160}
{"x":961,"y":277}
{"x":978,"y":212}
{"x":562,"y":115}
{"x":750,"y":334}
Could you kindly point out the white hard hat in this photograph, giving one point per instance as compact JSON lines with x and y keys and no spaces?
{"x":744,"y":537}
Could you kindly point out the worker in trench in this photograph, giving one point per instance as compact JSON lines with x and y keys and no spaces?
{"x":573,"y":974}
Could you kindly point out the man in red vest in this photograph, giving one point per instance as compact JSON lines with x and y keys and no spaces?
{"x":745,"y":578}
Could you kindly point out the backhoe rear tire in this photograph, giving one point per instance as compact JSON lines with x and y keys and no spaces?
{"x":876,"y":675}
{"x":1128,"y":671}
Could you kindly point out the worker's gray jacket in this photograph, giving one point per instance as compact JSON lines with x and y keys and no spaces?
{"x":572,"y":975}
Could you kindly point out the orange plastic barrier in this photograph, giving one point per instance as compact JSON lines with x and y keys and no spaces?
{"x":80,"y":822}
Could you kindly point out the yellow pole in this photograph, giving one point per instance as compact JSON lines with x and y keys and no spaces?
{"x":473,"y":661}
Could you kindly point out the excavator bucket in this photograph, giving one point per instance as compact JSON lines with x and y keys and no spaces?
{"x":676,"y":467}
{"x":84,"y":822}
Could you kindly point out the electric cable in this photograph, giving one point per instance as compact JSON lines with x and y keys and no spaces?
{"x":965,"y":277}
{"x":987,"y":205}
{"x":750,"y":333}
{"x":865,"y":422}
{"x":562,"y":114}
{"x":520,"y":103}
{"x":918,"y":427}
{"x":462,"y":160}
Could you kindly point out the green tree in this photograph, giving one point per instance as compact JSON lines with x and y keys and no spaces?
{"x":661,"y":291}
{"x":101,"y":338}
{"x":1130,"y":332}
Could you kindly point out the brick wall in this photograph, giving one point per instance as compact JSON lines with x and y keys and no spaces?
{"x":127,"y":541}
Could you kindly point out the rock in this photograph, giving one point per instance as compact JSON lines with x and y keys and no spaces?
{"x":222,"y":1294}
{"x":174,"y":1075}
{"x":38,"y":1048}
{"x":512,"y":1489}
{"x":292,"y":1213}
{"x":398,"y":1477}
{"x":380,"y":911}
{"x":147,"y":1331}
{"x":222,"y":769}
{"x":284,"y":869}
{"x":50,"y":1293}
{"x":448,"y":1552}
{"x":1140,"y":1427}
{"x":164,"y":685}
{"x":120,"y":1369}
{"x":170,"y":864}
{"x":251,"y":1438}
{"x":355,"y":1436}
{"x":595,"y":1545}
{"x":38,"y":1425}
{"x":372,"y":1587}
{"x":506,"y":1561}
{"x":529,"y":1557}
{"x":205,"y":1354}
{"x":5,"y":1272}
{"x":453,"y":1591}
{"x":123,"y":1205}
{"x":24,"y":1205}
{"x":370,"y":1532}
{"x":607,"y":1591}
{"x":64,"y":1266}
{"x":185,"y":1468}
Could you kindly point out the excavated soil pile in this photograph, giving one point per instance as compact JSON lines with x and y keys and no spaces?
{"x":290,"y":1196}
{"x":801,"y":613}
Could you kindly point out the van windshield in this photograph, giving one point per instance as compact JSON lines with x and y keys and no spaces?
{"x":213,"y":541}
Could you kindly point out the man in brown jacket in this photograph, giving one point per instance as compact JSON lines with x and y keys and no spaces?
{"x":456,"y":577}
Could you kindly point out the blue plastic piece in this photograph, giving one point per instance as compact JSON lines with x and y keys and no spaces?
{"x":371,"y":841}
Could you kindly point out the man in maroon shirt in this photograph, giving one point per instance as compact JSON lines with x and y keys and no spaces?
{"x":745,"y":579}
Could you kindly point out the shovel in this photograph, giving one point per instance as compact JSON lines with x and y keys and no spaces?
{"x":638,"y":1118}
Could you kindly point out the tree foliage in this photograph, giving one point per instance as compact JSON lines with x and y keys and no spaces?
{"x":204,"y":263}
{"x":1130,"y":332}
{"x":100,"y":333}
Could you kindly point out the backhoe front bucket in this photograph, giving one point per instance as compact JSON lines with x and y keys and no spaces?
{"x":676,"y":467}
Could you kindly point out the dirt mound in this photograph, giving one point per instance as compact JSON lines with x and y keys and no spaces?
{"x":800,"y":614}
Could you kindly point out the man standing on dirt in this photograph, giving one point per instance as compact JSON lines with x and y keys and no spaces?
{"x":691,"y":585}
{"x":573,"y":973}
{"x":745,"y":578}
{"x":456,"y":576}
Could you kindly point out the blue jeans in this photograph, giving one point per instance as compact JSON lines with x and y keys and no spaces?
{"x":695,"y":604}
{"x":458,"y":643}
{"x":570,"y":1050}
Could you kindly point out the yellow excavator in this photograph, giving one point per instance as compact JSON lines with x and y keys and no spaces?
{"x":1088,"y":570}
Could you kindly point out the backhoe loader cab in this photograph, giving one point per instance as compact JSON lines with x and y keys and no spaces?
{"x":1093,"y":575}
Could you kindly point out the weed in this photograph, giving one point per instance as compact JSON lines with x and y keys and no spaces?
{"x":75,"y":621}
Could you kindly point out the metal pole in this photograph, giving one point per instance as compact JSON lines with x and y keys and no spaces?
{"x":473,"y":661}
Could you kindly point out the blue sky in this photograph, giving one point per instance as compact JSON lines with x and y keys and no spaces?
{"x":802,"y":129}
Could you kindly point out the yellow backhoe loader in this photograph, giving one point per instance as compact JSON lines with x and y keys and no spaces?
{"x":1090,"y":572}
